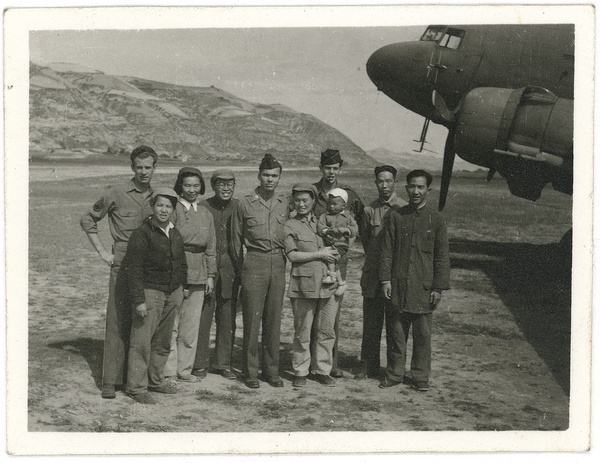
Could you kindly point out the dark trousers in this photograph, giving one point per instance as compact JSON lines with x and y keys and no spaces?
{"x":151,"y":340}
{"x":374,"y":310}
{"x":397,"y":329}
{"x":263,"y":286}
{"x":224,"y":311}
{"x":118,"y":323}
{"x":342,"y":266}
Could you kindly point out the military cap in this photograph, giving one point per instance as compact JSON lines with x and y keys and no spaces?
{"x":222,"y":174}
{"x":269,"y":162}
{"x":385,"y":168}
{"x":340,"y":193}
{"x":331,"y":156}
{"x":305,"y":187}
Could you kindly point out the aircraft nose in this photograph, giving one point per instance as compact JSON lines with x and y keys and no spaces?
{"x":400,"y":70}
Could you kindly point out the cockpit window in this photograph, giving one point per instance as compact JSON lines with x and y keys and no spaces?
{"x":433,"y":33}
{"x":447,"y":37}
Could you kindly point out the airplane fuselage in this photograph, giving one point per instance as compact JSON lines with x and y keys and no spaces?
{"x":505,"y":92}
{"x":454,"y":60}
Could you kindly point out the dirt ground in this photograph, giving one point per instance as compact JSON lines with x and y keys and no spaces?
{"x":500,"y":344}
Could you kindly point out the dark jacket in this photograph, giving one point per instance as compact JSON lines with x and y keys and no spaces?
{"x":227,"y":283}
{"x":414,"y":257}
{"x":154,"y":261}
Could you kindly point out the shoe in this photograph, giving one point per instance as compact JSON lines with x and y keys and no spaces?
{"x":407,"y":380}
{"x":336,"y":373}
{"x":388,"y":382}
{"x":227,"y":374}
{"x":274,"y":381}
{"x":143,"y":398}
{"x":166,"y":388}
{"x":201,"y":373}
{"x":188,"y":379}
{"x":421,"y":386}
{"x":252,"y":383}
{"x":299,"y":381}
{"x":171,"y":380}
{"x":325,"y":380}
{"x":108,"y":391}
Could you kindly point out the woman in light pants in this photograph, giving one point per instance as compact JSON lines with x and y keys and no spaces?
{"x":313,"y":302}
{"x":196,"y":225}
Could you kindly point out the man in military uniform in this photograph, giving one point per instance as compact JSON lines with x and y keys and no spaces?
{"x":415,"y":268}
{"x":126,"y":205}
{"x":223,"y":303}
{"x":331,"y":167}
{"x":374,"y":304}
{"x":257,"y":224}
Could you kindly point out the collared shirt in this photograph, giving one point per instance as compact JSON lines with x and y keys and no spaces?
{"x":187,"y":204}
{"x":166,"y":230}
{"x":373,"y":220}
{"x":306,"y":277}
{"x":222,"y":212}
{"x":258,"y":224}
{"x":197,"y":228}
{"x":414,"y":256}
{"x":126,"y":207}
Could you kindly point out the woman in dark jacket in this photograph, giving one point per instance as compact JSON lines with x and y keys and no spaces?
{"x":156,"y":271}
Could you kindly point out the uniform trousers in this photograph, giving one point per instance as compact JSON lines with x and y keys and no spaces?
{"x":118,"y":322}
{"x":342,"y":266}
{"x":224,"y":311}
{"x":309,"y":314}
{"x":263,"y":286}
{"x":185,"y":334}
{"x":151,"y":340}
{"x":374,"y":310}
{"x":397,"y":330}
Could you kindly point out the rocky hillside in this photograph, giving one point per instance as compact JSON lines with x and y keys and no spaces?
{"x":78,"y":112}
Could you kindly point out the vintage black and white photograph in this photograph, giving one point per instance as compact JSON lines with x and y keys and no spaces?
{"x":266,"y":222}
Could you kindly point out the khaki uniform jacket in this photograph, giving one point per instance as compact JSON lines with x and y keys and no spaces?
{"x":256,"y":226}
{"x":306,"y":277}
{"x":415,"y":257}
{"x":126,"y":207}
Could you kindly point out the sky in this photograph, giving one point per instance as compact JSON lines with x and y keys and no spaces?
{"x":320,"y":71}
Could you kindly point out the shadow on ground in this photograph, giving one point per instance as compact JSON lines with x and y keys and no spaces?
{"x":90,"y":349}
{"x":534,"y":282}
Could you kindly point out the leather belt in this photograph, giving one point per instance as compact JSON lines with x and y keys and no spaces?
{"x":194,"y":248}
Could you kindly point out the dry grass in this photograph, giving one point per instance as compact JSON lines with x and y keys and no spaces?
{"x":501,"y":341}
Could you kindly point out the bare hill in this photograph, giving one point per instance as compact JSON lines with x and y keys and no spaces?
{"x":79,"y":112}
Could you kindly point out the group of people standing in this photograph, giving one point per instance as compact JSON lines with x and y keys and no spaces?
{"x":177,"y":261}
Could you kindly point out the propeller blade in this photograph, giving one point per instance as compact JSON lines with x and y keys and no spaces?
{"x":490,"y":174}
{"x":447,"y":168}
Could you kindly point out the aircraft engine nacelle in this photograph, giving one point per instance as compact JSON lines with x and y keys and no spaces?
{"x":525,"y":134}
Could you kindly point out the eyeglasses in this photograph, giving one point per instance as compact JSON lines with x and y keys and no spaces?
{"x":220,"y":184}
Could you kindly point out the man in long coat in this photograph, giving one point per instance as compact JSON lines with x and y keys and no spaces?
{"x":415,"y":268}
